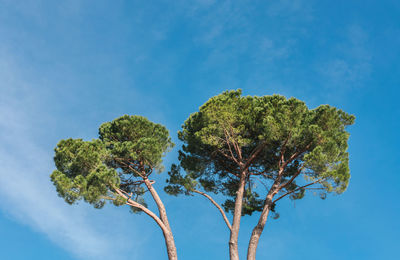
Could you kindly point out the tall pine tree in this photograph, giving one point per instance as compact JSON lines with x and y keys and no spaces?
{"x":257,"y":151}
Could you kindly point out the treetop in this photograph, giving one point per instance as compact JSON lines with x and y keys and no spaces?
{"x":232,"y":133}
{"x":128,"y":147}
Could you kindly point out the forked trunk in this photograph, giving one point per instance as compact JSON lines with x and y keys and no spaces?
{"x":237,"y":214}
{"x":168,"y":237}
{"x":158,"y":201}
{"x":258,"y":229}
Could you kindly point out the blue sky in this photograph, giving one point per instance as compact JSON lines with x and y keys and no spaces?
{"x":68,"y":66}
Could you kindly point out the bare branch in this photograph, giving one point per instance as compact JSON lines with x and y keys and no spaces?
{"x":216,"y":205}
{"x":302,"y":187}
{"x":107,"y":198}
{"x":292,"y":179}
{"x":263,"y":173}
{"x":143,"y":208}
{"x":265,"y":186}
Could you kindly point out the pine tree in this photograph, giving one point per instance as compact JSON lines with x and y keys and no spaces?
{"x":116,"y":167}
{"x":254,"y":150}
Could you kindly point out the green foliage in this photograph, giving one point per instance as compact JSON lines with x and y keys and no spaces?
{"x":134,"y":138}
{"x":128,"y":147}
{"x":228,"y":130}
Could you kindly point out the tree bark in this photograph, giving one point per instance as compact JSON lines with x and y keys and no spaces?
{"x":170,"y":243}
{"x":158,"y":201}
{"x":258,"y":229}
{"x":168,"y":237}
{"x":237,"y":214}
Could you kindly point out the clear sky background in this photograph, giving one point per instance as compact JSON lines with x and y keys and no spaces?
{"x":68,"y":66}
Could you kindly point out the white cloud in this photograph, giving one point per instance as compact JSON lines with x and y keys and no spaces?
{"x":25,"y":188}
{"x":28,"y":198}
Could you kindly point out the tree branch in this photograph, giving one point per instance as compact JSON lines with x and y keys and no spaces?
{"x":143,"y":208}
{"x":228,"y":157}
{"x":254,"y":154}
{"x":283,"y":149}
{"x":295,"y":155}
{"x":263,"y":173}
{"x":292,"y":179}
{"x":121,"y":160}
{"x":107,"y":198}
{"x":235,"y":144}
{"x":228,"y":137}
{"x":265,"y":186}
{"x":290,"y":192}
{"x":216,"y":205}
{"x":230,"y":149}
{"x":160,"y":205}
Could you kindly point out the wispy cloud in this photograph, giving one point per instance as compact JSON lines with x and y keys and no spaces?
{"x":27,"y":197}
{"x":25,"y":188}
{"x":352,"y":63}
{"x":246,"y":44}
{"x":290,"y":8}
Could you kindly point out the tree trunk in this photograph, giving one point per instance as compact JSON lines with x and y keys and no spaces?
{"x":170,"y":243}
{"x":158,"y":201}
{"x":169,"y":238}
{"x":258,"y":229}
{"x":237,"y":214}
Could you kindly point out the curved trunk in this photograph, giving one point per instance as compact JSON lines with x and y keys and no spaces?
{"x":258,"y":229}
{"x":160,"y":205}
{"x":237,"y":214}
{"x":168,"y":237}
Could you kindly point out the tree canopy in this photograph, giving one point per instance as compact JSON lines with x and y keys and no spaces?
{"x":261,"y":144}
{"x":116,"y":167}
{"x":250,"y":149}
{"x":128,"y":147}
{"x":231,"y":130}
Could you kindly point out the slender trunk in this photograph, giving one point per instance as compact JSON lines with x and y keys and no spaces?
{"x":158,"y":201}
{"x":237,"y":214}
{"x":170,"y":243}
{"x":258,"y":229}
{"x":169,"y":238}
